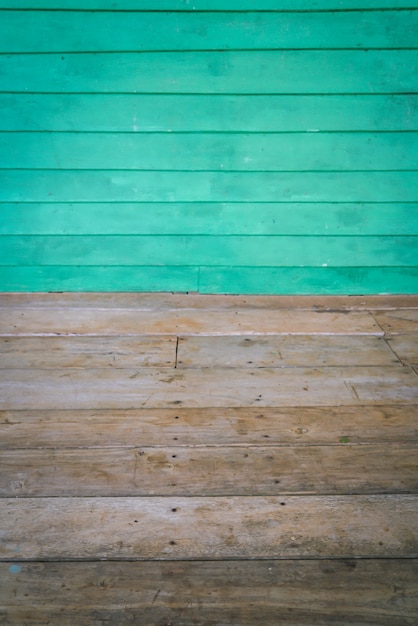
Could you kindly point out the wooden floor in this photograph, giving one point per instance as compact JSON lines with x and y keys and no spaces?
{"x":188,"y":460}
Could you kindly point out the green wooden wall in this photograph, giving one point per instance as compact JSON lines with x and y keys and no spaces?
{"x":238,"y":146}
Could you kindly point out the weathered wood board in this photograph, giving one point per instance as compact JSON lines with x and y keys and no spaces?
{"x":210,"y":471}
{"x":159,"y":388}
{"x":87,"y":352}
{"x":380,"y":592}
{"x":283,"y":351}
{"x":398,"y":322}
{"x":405,"y":347}
{"x":210,"y":426}
{"x":175,"y":301}
{"x":117,"y":321}
{"x":285,"y":527}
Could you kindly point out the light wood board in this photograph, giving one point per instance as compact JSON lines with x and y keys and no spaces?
{"x":210,"y":528}
{"x":283,"y":351}
{"x":119,"y":321}
{"x":158,"y":388}
{"x":209,"y":426}
{"x":210,"y":471}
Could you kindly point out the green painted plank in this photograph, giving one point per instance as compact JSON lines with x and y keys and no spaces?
{"x":309,"y":281}
{"x":123,"y":186}
{"x":138,"y":113}
{"x":292,"y":71}
{"x":98,"y":278}
{"x":202,"y":5}
{"x":314,"y":281}
{"x":208,"y":219}
{"x":22,"y":31}
{"x":221,"y":151}
{"x":195,"y":250}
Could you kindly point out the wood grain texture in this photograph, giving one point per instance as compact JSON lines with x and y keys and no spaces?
{"x":212,"y":218}
{"x":283,"y":351}
{"x":221,"y":113}
{"x":295,"y":71}
{"x":210,"y":426}
{"x":210,"y":528}
{"x":175,"y":301}
{"x":398,"y":322}
{"x":158,"y":388}
{"x":63,"y":31}
{"x":210,"y":471}
{"x":405,"y":347}
{"x":374,"y":592}
{"x":123,"y":322}
{"x":80,"y":352}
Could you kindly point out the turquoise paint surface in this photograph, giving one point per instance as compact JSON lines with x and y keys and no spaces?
{"x":262,"y":151}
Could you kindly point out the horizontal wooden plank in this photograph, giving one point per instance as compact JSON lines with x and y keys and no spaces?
{"x":197,"y":151}
{"x":106,"y":278}
{"x":175,"y":250}
{"x":219,"y":218}
{"x":150,"y":113}
{"x":130,"y":352}
{"x":209,"y":5}
{"x":128,"y":186}
{"x":152,"y":388}
{"x":405,"y":347}
{"x":286,"y":72}
{"x":203,"y":471}
{"x":398,"y":322}
{"x":60,"y":352}
{"x":148,"y":301}
{"x":381,"y":592}
{"x":101,"y":31}
{"x":320,"y":281}
{"x":119,"y":322}
{"x":282,"y":351}
{"x":336,"y":425}
{"x":209,"y":528}
{"x":270,"y":280}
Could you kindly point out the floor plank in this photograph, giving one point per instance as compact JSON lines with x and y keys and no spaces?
{"x":228,"y":593}
{"x":209,"y":426}
{"x":210,"y":528}
{"x":398,"y":322}
{"x":94,"y":321}
{"x":151,"y":387}
{"x":211,"y":471}
{"x":175,"y":301}
{"x":87,"y":352}
{"x":405,"y":347}
{"x":283,"y":351}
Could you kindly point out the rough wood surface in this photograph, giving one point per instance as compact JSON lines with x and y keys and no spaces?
{"x":210,"y":471}
{"x":398,"y":322}
{"x":87,"y":352}
{"x":226,"y":492}
{"x":210,"y":528}
{"x":116,"y":321}
{"x":405,"y":347}
{"x":283,"y":351}
{"x":176,"y":301}
{"x":158,"y":388}
{"x":210,"y":426}
{"x":376,"y":592}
